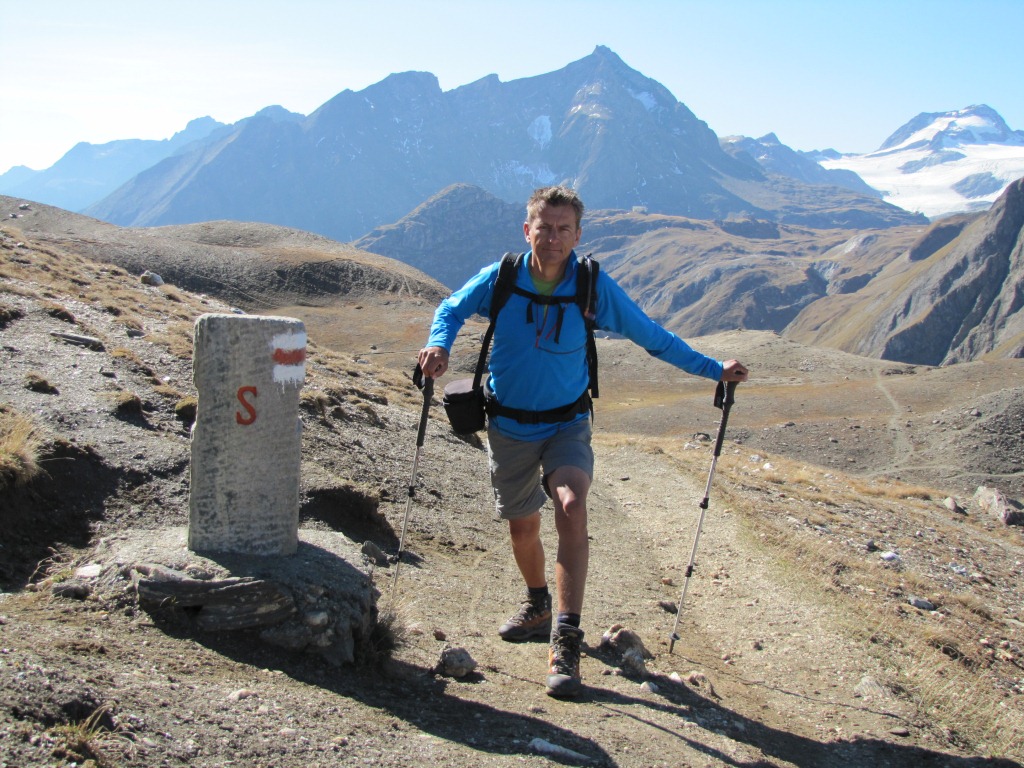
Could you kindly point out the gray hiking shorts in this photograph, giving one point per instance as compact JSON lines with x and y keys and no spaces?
{"x":516,"y":466}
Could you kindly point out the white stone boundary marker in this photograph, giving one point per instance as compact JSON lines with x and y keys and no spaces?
{"x":246,"y":442}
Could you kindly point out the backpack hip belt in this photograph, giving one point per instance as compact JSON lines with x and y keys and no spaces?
{"x":582,"y":404}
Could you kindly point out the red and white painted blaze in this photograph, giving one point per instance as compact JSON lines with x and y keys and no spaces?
{"x":289,"y":355}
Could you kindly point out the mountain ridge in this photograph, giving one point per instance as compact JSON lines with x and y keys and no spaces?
{"x":867,"y":292}
{"x":364,"y":159}
{"x":91,"y":171}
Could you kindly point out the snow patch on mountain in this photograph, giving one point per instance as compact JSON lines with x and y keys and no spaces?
{"x":540,"y":131}
{"x":647,"y":99}
{"x":944,"y":163}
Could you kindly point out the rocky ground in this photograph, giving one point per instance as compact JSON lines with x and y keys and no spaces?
{"x":801,"y":640}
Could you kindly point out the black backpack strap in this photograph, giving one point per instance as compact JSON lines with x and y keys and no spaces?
{"x":586,"y":297}
{"x":504,"y":284}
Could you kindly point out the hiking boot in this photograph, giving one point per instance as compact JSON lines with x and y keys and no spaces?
{"x":533,"y":619}
{"x":564,"y":661}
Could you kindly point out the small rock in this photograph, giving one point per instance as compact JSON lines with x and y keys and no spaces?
{"x":899,"y":731}
{"x":950,"y":504}
{"x":890,"y":557}
{"x":317,"y":619}
{"x":648,"y":686}
{"x":621,"y":639}
{"x":91,"y":571}
{"x":668,"y":606}
{"x":439,"y":635}
{"x":554,"y":750}
{"x":633,"y":662}
{"x":701,"y":681}
{"x":242,"y":693}
{"x":374,"y":553}
{"x":455,"y":662}
{"x":920,"y":602}
{"x":73,"y":589}
{"x":869,"y":688}
{"x":151,"y":278}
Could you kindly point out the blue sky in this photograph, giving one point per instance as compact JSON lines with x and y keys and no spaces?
{"x":818,"y":73}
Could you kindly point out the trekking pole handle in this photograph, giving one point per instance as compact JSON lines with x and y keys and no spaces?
{"x":426,"y":384}
{"x":725,"y":394}
{"x":724,"y":398}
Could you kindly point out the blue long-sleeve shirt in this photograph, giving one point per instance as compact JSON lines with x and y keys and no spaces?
{"x":531,"y":371}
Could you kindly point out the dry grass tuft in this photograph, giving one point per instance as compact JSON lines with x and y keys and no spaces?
{"x":390,"y":632}
{"x":59,"y":312}
{"x":91,"y":741}
{"x":9,"y":315}
{"x":127,"y":403}
{"x":19,"y":450}
{"x":974,"y":604}
{"x":177,"y":337}
{"x":36,"y":382}
{"x":316,"y":401}
{"x":891,"y":489}
{"x":186,"y":409}
{"x":166,"y":390}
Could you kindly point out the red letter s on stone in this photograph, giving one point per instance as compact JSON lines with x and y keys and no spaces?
{"x":250,"y":416}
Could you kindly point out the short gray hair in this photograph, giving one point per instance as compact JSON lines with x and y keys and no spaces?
{"x":558,"y":195}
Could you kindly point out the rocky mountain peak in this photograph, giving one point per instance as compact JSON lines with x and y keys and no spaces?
{"x":977,"y":124}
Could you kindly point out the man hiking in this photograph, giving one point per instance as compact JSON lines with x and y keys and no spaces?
{"x":539,"y":430}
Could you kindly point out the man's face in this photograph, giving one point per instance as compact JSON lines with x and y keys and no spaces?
{"x":552,"y":234}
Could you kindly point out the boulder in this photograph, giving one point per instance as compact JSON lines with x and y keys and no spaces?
{"x":995,"y":502}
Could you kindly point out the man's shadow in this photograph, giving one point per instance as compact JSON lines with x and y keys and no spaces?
{"x":681,"y":701}
{"x":423,"y":699}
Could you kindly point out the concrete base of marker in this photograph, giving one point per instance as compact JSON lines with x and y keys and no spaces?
{"x":321,"y":602}
{"x":246,"y":442}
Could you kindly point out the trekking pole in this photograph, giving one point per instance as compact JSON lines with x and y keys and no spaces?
{"x":724,"y":400}
{"x":427,"y":386}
